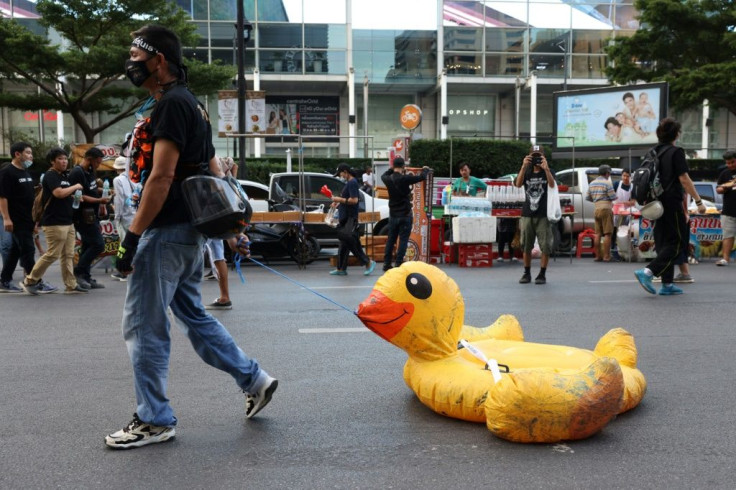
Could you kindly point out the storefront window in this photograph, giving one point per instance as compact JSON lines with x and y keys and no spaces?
{"x":504,"y":64}
{"x":471,"y":115}
{"x":279,"y":36}
{"x":463,"y":39}
{"x":505,"y":39}
{"x":464,"y":64}
{"x":325,"y":36}
{"x":590,"y":42}
{"x":588,"y":66}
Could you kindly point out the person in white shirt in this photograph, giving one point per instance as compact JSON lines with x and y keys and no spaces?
{"x":369,"y":181}
{"x":122,"y":203}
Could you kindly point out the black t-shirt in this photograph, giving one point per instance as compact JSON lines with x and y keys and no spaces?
{"x":399,"y":191}
{"x":178,"y":117}
{"x":78,"y":175}
{"x":16,"y":185}
{"x":729,"y":194}
{"x":59,"y":212}
{"x":672,"y":165}
{"x":535,"y":188}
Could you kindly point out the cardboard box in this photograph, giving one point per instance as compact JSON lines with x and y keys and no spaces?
{"x":315,"y":217}
{"x":273,"y":217}
{"x":474,"y":229}
{"x":369,"y":217}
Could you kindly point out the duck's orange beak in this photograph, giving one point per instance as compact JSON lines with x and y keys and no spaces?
{"x":383,"y":315}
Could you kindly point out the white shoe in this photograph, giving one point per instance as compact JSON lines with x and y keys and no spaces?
{"x":137,"y":434}
{"x":254,"y":402}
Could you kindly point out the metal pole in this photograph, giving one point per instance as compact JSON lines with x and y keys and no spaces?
{"x":366,"y":82}
{"x":240,"y":27}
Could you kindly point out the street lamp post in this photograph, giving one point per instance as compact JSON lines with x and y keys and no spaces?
{"x":243,"y":28}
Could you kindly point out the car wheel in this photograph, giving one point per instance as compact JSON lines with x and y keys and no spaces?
{"x":381,"y":228}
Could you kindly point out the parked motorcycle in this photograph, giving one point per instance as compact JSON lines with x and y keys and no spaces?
{"x":277,"y":240}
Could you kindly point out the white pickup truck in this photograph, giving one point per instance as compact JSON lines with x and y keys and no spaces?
{"x":306,"y":194}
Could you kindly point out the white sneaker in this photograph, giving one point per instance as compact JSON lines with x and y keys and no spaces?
{"x":254,"y":402}
{"x":137,"y":434}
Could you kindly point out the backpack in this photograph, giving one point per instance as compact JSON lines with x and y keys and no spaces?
{"x":645,"y":181}
{"x":38,"y":205}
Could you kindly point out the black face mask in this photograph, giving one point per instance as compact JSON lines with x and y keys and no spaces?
{"x":137,"y":72}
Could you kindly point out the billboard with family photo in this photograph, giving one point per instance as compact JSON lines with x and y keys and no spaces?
{"x":609,"y":118}
{"x":305,"y":115}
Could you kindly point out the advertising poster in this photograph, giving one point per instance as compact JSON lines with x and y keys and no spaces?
{"x":418,"y":247}
{"x":620,"y":117}
{"x":255,"y":111}
{"x":227,"y":112}
{"x":706,"y":236}
{"x":308,"y":116}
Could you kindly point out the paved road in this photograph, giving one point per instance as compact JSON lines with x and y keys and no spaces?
{"x":343,"y":417}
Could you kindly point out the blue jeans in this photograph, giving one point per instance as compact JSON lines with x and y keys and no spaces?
{"x":92,"y":245}
{"x":6,"y":240}
{"x":168,"y":272}
{"x":397,"y":228}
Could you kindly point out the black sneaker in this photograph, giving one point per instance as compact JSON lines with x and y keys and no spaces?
{"x":83,"y":282}
{"x":137,"y":434}
{"x":254,"y":402}
{"x":76,"y":290}
{"x":540,"y":279}
{"x":93,"y":284}
{"x":526,"y":278}
{"x":9,"y":287}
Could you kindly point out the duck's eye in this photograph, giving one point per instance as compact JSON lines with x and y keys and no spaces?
{"x":419,"y":286}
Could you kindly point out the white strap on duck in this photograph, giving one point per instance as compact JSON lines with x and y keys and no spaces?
{"x":491,"y":364}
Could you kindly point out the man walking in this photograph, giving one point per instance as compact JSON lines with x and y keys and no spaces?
{"x":86,"y":219}
{"x":728,"y":214}
{"x":162,"y":251}
{"x":601,"y":194}
{"x":16,"y":202}
{"x":535,"y":176}
{"x":57,"y":226}
{"x":399,"y":182}
{"x":671,"y":233}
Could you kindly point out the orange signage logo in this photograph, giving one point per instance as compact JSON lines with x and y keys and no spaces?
{"x":410,"y":117}
{"x":399,"y":145}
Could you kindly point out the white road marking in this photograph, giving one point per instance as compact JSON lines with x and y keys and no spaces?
{"x":342,"y":287}
{"x":334,"y":330}
{"x":613,"y":281}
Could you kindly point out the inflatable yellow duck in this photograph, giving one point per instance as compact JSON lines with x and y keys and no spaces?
{"x":524,"y":392}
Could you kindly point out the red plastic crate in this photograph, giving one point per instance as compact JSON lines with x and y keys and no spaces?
{"x":475,"y":255}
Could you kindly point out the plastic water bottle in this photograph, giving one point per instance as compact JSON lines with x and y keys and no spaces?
{"x":444,"y":196}
{"x":106,"y":189}
{"x":77,"y":199}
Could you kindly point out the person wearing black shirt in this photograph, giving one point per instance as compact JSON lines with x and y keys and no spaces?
{"x":728,"y":214}
{"x":86,"y":218}
{"x":671,"y":234}
{"x":16,"y":202}
{"x":57,"y":225}
{"x":399,"y":182}
{"x":162,"y":252}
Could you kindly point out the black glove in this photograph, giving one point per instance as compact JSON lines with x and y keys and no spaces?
{"x":126,"y":252}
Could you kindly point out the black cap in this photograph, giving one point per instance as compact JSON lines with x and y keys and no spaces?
{"x":398,"y":162}
{"x":343,"y":167}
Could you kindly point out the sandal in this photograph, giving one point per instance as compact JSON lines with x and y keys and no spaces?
{"x":722,"y":262}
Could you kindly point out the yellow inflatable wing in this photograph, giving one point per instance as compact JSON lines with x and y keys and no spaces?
{"x":547,"y":393}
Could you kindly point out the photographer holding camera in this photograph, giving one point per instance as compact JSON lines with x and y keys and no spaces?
{"x":535,"y":176}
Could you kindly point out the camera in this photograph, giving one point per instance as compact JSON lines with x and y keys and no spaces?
{"x":536,"y":158}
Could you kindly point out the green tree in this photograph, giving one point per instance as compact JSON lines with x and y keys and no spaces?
{"x":688,"y":43}
{"x":84,"y":73}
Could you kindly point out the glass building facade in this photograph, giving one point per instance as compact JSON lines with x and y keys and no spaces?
{"x":460,"y":61}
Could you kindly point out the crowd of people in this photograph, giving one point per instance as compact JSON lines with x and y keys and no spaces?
{"x":163,"y":279}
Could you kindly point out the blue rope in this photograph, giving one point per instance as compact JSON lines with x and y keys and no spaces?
{"x":238,"y":257}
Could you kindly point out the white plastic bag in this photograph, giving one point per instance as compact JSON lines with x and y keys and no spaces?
{"x":331,"y":217}
{"x":554,"y":212}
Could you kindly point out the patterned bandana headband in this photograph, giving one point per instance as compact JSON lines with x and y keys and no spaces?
{"x":141,"y":43}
